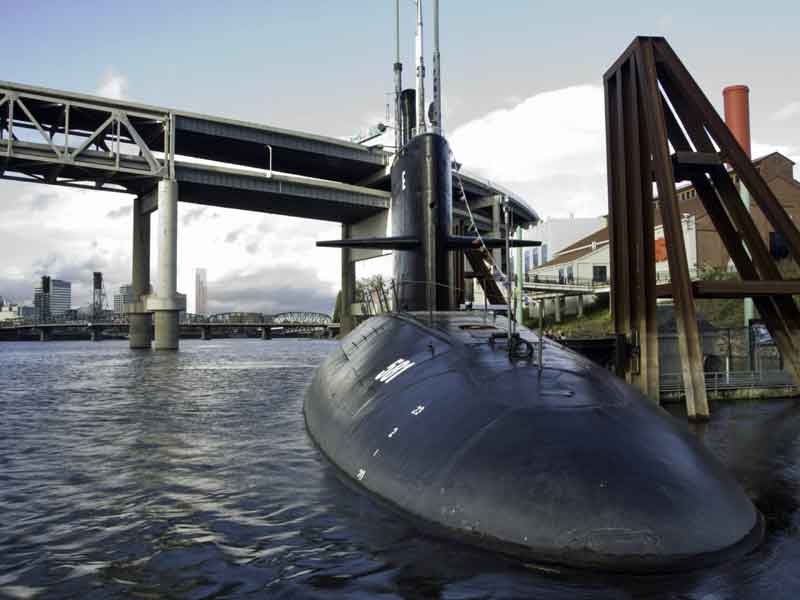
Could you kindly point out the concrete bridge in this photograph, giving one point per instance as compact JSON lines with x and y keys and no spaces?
{"x":61,"y":138}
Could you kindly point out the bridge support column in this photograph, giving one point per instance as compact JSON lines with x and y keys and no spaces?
{"x":266,"y":332}
{"x":346,"y":319}
{"x":95,"y":334}
{"x":580,"y":306}
{"x":557,"y":307}
{"x":167,"y":303}
{"x":140,"y":322}
{"x":205,"y":333}
{"x":44,"y":335}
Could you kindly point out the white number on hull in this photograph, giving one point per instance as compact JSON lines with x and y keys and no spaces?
{"x":393,"y":370}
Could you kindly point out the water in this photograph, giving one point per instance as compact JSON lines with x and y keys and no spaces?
{"x":190,"y":475}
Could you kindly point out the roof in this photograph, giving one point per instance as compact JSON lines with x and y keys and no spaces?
{"x":691,"y":205}
{"x":585,"y":245}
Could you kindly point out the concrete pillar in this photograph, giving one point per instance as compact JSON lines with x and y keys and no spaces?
{"x":205,"y":333}
{"x":167,"y":303}
{"x":557,"y":306}
{"x":580,"y":306}
{"x":497,"y":222}
{"x":44,"y":335}
{"x":140,"y":322}
{"x":94,"y":334}
{"x":348,"y":286}
{"x":266,"y":332}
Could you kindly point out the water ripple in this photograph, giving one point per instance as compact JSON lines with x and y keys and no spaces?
{"x":190,"y":475}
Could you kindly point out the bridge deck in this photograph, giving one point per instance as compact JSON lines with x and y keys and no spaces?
{"x":64,"y":138}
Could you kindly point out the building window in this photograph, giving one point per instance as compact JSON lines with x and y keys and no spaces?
{"x":777,"y":246}
{"x":600,"y":273}
{"x":570,"y":274}
{"x":544,"y":253}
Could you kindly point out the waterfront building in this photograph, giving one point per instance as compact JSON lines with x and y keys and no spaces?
{"x":122,"y":297}
{"x":200,"y":292}
{"x":52,"y":298}
{"x":26,"y":311}
{"x":8,"y":311}
{"x":555,"y":235}
{"x":588,"y":258}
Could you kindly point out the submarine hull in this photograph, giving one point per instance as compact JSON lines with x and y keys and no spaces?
{"x":565,"y":464}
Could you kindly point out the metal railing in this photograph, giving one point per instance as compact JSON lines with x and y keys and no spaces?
{"x":730,"y":380}
{"x":571,"y":281}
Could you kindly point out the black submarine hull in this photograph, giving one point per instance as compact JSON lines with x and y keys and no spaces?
{"x":565,"y":464}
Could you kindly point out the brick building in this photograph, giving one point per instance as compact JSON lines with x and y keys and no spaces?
{"x":589,"y":256}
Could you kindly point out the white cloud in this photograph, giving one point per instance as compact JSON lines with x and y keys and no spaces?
{"x":759,"y":150}
{"x":665,"y":22}
{"x":787,"y":112}
{"x":113,"y":85}
{"x":555,"y":137}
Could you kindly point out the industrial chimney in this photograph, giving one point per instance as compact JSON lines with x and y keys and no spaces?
{"x":737,"y":114}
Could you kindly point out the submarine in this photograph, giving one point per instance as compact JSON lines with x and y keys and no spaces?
{"x":478,"y":430}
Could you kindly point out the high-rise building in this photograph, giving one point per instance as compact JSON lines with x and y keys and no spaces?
{"x":200,"y":292}
{"x":123,"y":297}
{"x":52,"y":298}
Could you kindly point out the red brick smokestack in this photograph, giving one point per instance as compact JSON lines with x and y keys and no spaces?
{"x":737,"y":114}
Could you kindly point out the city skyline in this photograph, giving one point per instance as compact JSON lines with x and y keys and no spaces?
{"x":535,"y":126}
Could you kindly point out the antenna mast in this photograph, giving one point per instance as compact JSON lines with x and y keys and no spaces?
{"x":398,"y":83}
{"x":420,"y":74}
{"x":436,"y":117}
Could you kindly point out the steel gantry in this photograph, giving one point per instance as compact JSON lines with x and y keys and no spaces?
{"x":652,"y":103}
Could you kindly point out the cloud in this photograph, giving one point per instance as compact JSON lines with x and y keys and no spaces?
{"x":787,"y":112}
{"x":16,"y":290}
{"x":113,"y":85}
{"x":42,"y":201}
{"x":665,"y":22}
{"x":232,"y":236}
{"x":760,"y":149}
{"x":266,"y":226}
{"x":118,"y":213}
{"x":271,"y":290}
{"x":193,"y":214}
{"x":554,"y":140}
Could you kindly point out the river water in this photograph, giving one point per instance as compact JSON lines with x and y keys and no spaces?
{"x":190,"y":475}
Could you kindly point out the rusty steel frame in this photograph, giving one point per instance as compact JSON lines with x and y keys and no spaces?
{"x":653,"y":102}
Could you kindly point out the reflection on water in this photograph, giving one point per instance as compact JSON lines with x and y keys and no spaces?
{"x":191,"y":475}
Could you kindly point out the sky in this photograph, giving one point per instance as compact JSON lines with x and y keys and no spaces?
{"x":522,"y":104}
